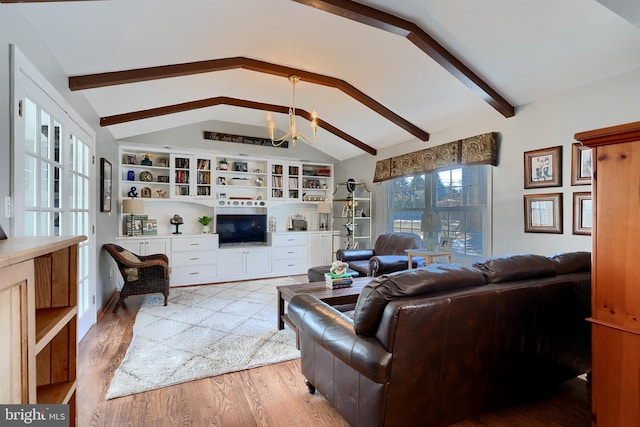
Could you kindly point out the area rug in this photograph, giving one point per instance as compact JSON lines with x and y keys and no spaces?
{"x":204,"y":331}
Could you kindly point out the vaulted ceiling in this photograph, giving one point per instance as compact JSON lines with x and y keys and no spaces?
{"x":378,"y":73}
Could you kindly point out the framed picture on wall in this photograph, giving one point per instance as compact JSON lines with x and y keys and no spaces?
{"x":543,"y":168}
{"x":580,"y":164}
{"x":582,"y":213}
{"x":105,"y":185}
{"x":543,"y":213}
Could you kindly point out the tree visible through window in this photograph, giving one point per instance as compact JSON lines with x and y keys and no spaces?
{"x":449,"y":203}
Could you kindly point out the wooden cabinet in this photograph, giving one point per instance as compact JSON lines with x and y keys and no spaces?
{"x":615,"y":274}
{"x":38,"y":294}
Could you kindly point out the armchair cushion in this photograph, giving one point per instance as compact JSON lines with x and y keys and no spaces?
{"x":132,"y":273}
{"x":434,"y":278}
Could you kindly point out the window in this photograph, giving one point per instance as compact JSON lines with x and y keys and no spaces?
{"x":451,"y":203}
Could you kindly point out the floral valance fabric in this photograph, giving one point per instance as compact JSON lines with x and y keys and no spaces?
{"x":476,"y":150}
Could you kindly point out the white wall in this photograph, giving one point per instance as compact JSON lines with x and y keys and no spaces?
{"x":542,"y":124}
{"x":15,"y":29}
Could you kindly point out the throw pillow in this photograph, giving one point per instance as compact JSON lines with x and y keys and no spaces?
{"x":434,"y":278}
{"x":131,"y":273}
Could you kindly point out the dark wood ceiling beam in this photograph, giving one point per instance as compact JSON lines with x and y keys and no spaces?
{"x":92,"y":81}
{"x":220,"y":100}
{"x":412,"y":32}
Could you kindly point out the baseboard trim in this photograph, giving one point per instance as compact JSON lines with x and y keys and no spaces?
{"x":107,"y":305}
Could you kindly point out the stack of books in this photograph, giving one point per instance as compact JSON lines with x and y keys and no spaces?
{"x":337,"y":281}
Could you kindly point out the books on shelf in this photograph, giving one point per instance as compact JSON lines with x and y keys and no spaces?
{"x":337,"y":281}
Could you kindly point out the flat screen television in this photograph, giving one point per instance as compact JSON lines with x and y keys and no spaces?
{"x":237,"y":228}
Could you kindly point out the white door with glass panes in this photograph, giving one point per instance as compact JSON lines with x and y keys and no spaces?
{"x":54,"y":174}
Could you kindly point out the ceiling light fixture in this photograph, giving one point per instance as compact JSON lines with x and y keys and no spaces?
{"x":293,"y":130}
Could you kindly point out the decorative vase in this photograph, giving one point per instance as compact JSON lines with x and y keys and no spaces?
{"x":146,"y":162}
{"x":131,"y":176}
{"x":205,"y":229}
{"x":222,"y":166}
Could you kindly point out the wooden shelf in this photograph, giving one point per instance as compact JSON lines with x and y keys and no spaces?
{"x":56,"y":393}
{"x":50,"y":321}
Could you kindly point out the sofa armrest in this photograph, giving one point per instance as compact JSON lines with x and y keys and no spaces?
{"x":347,"y":255}
{"x":384,"y":264}
{"x":334,"y":331}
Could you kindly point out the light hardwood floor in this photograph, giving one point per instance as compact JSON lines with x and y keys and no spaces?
{"x":272,"y":395}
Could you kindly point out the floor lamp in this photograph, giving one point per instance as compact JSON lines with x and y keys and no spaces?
{"x":132,"y":207}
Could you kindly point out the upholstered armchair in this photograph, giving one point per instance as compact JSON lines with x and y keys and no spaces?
{"x":142,"y":274}
{"x":386,"y":256}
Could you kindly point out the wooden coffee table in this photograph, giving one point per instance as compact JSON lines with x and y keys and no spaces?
{"x":332,"y":297}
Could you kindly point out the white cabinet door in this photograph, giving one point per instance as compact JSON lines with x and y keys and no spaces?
{"x":257,"y":261}
{"x":243,"y":263}
{"x":320,"y":245}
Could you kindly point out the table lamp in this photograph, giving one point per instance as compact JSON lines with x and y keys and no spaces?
{"x":132,"y":207}
{"x":323,"y":209}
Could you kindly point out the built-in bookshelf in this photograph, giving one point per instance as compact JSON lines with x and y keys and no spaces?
{"x":218,"y":180}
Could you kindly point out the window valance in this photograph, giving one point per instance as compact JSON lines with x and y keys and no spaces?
{"x":475,"y":150}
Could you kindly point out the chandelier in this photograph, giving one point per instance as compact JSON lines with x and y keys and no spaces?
{"x":293,"y":129}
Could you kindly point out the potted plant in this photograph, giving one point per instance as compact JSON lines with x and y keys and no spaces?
{"x":205,"y":220}
{"x":222,"y":164}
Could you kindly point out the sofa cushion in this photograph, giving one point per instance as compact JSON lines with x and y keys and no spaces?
{"x":516,"y":267}
{"x":434,"y":278}
{"x":572,"y":262}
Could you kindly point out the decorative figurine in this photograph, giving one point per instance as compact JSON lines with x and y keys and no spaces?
{"x":132,"y":192}
{"x":131,"y":176}
{"x":338,"y":267}
{"x":177,"y":221}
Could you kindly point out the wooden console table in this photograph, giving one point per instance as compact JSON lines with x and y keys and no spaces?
{"x":429,"y":256}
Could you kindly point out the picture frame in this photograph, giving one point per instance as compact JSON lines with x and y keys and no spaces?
{"x":240,"y":166}
{"x":105,"y":185}
{"x":149,"y":227}
{"x":222,"y":195}
{"x":163,"y":162}
{"x":582,"y":213}
{"x":163,"y":178}
{"x":145,"y":192}
{"x":543,"y":213}
{"x":135,"y":221}
{"x":543,"y":168}
{"x":131,"y":159}
{"x":445,"y":244}
{"x":581,"y":164}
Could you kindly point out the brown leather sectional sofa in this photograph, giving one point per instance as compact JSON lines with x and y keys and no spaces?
{"x":439,"y":344}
